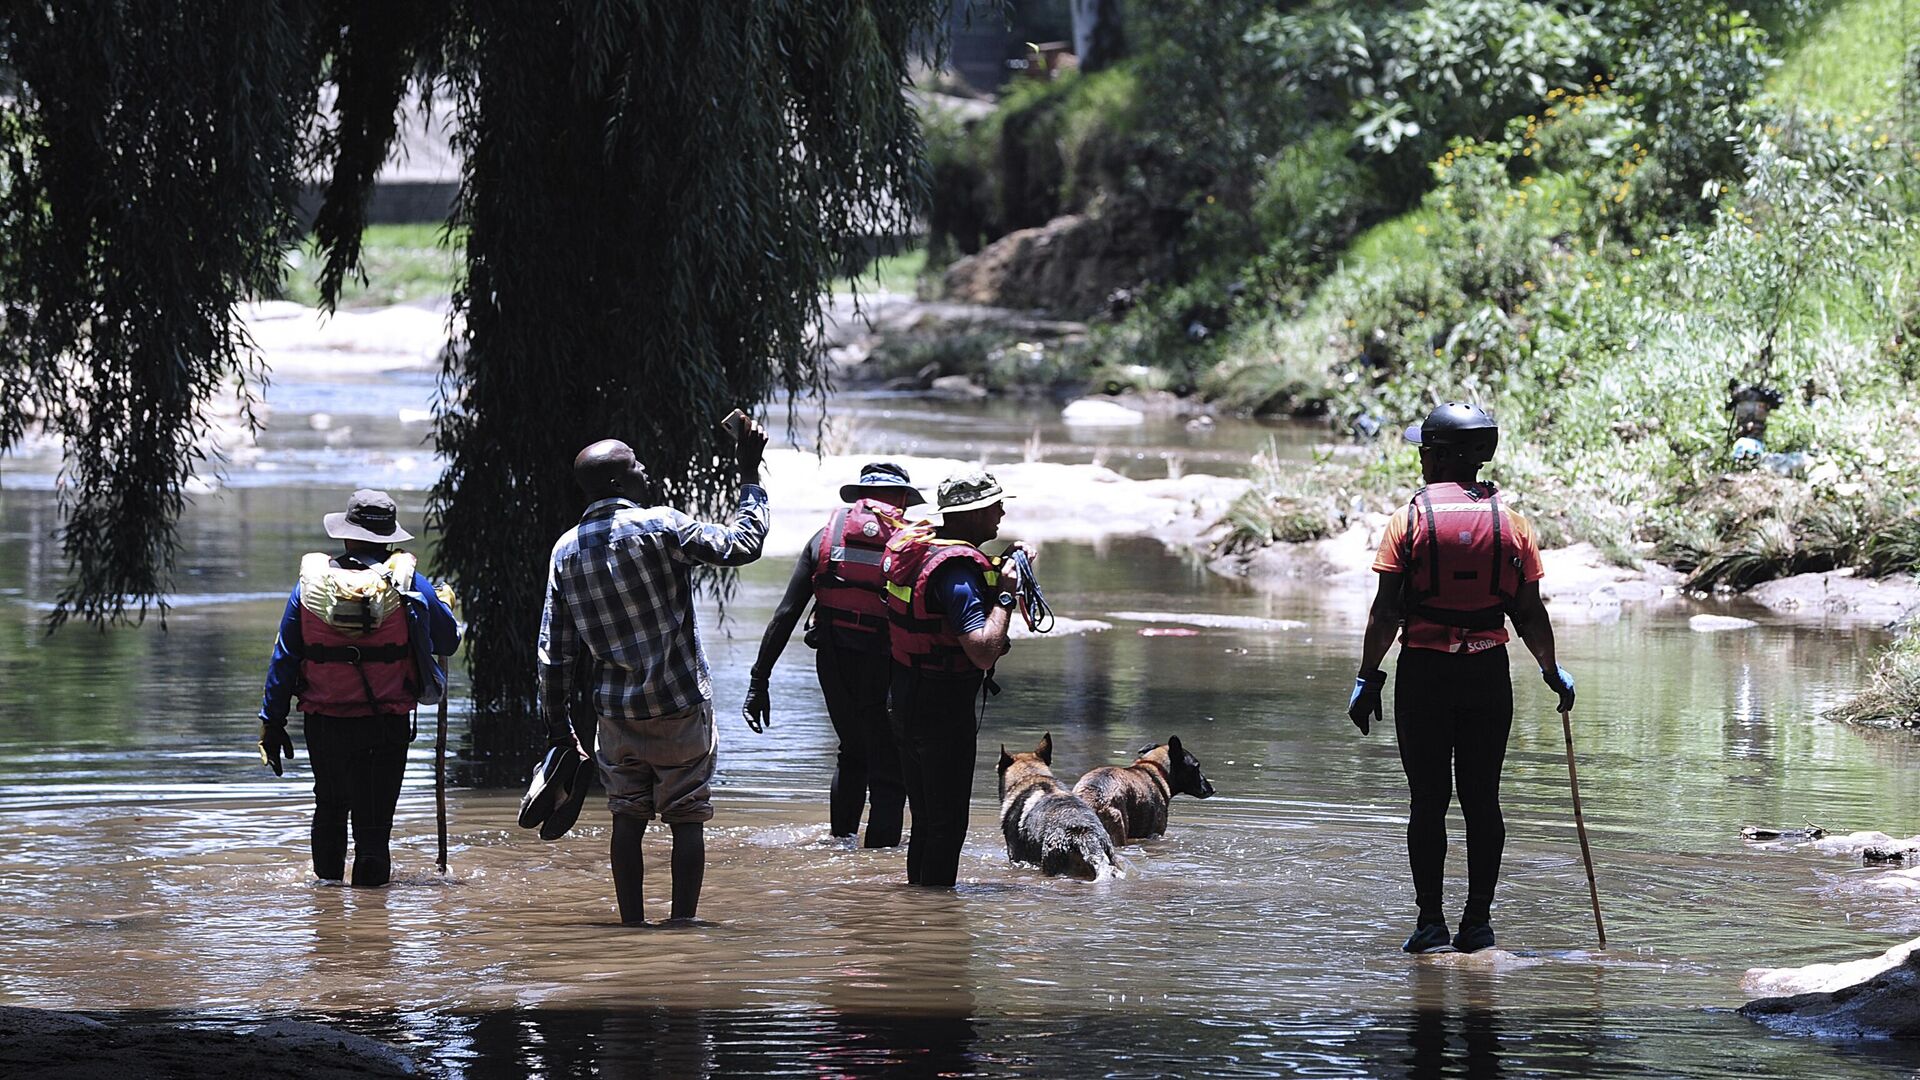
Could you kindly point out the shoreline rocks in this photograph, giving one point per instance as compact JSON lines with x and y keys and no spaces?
{"x":47,"y":1043}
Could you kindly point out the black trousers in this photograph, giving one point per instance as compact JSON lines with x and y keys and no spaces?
{"x":855,"y":684}
{"x":933,"y":721}
{"x":358,"y":762}
{"x":1452,"y":713}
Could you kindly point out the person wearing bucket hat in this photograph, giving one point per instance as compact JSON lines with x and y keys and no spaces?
{"x":1455,"y":564}
{"x":950,"y":608}
{"x":839,"y":570}
{"x":357,"y":645}
{"x":620,"y":589}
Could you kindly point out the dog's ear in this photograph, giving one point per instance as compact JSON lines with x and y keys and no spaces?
{"x":1173,"y":747}
{"x":1006,"y":759}
{"x":1045,"y":749}
{"x":1147,"y":749}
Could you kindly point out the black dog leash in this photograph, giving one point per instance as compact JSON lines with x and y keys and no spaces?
{"x":1036,"y":611}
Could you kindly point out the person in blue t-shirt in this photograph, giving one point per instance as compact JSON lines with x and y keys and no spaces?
{"x":947,"y":633}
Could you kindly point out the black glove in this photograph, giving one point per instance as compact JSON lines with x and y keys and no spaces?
{"x":1560,"y":681}
{"x":1363,"y":707}
{"x":758,"y":711}
{"x":274,"y":743}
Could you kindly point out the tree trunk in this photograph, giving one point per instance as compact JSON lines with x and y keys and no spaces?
{"x":1098,"y":40}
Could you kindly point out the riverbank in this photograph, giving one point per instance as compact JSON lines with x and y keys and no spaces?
{"x":42,"y":1043}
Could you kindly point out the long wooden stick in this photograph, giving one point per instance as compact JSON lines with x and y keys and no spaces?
{"x":440,"y":777}
{"x":1580,"y":824}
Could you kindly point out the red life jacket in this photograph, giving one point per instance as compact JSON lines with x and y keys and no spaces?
{"x":356,"y":660}
{"x":919,"y":638}
{"x":1463,"y":562}
{"x":847,"y":582}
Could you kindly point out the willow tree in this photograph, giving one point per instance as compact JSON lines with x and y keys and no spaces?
{"x":657,"y":195}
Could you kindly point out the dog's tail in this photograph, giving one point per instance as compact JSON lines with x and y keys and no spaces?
{"x":1084,"y":852}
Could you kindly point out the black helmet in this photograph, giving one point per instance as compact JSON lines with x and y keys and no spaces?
{"x":1457,"y":428}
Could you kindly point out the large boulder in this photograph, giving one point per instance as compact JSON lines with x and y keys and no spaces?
{"x":1884,"y":1006}
{"x":1069,"y":265}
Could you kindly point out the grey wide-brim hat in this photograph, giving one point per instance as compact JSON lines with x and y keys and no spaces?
{"x":371,"y":516}
{"x":878,"y":476}
{"x":970,"y":491}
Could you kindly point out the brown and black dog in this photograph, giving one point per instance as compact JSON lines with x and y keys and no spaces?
{"x":1132,"y":802}
{"x":1046,"y":824}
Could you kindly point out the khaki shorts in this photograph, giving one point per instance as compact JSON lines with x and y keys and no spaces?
{"x":662,"y":765}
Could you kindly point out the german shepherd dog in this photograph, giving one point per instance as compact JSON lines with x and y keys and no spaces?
{"x":1132,"y":802}
{"x":1046,"y":824}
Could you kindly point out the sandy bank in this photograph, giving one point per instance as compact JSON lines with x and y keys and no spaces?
{"x":1580,"y":583}
{"x":293,"y":338}
{"x":1052,"y":501}
{"x":38,"y":1043}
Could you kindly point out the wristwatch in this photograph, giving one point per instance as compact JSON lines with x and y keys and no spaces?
{"x":1005,"y":600}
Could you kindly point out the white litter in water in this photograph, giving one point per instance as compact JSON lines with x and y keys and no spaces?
{"x":1710,"y":624}
{"x":1092,"y":412}
{"x":1207,"y":619}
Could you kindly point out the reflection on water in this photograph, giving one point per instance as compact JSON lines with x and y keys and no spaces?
{"x":150,"y":863}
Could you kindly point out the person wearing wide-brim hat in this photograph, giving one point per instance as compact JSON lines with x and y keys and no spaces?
{"x":949,"y":609}
{"x":839,"y":571}
{"x":356,"y":644}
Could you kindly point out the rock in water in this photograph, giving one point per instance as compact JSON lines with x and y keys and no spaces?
{"x":1884,"y":1006}
{"x":1709,"y":624}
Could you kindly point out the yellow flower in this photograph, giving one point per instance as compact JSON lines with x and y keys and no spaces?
{"x":1527,"y":285}
{"x":1525,"y":180}
{"x":1626,"y":279}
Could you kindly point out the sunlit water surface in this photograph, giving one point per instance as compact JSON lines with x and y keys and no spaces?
{"x":148,"y":862}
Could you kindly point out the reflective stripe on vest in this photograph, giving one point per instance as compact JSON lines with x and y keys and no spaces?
{"x":847,"y":578}
{"x":1457,"y":557}
{"x":356,"y":660}
{"x":919,"y":638}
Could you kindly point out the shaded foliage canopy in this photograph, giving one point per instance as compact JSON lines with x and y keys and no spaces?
{"x":656,"y":196}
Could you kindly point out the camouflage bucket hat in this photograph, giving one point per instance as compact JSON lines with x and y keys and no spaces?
{"x":970,"y":491}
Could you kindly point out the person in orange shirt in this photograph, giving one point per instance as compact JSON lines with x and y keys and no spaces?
{"x":1455,"y":564}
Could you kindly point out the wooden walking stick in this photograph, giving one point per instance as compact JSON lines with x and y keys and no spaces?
{"x":1580,"y":825}
{"x":440,"y":771}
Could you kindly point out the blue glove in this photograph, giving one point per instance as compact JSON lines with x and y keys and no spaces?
{"x":1560,"y":681}
{"x":1363,"y":708}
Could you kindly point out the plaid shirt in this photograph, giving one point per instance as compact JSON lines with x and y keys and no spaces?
{"x":621,"y":583}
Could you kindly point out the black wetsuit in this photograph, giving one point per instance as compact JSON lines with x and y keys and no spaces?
{"x":854,"y":669}
{"x":1451,"y":714}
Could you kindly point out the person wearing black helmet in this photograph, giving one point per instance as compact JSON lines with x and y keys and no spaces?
{"x":1455,"y":564}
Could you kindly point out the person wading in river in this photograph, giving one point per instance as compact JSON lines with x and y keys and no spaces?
{"x":950,"y":608}
{"x":357,"y":644}
{"x":839,"y":570}
{"x":620,"y":584}
{"x":1454,"y":565}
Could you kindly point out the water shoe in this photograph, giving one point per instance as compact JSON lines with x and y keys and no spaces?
{"x":1429,"y":937}
{"x":1473,"y":937}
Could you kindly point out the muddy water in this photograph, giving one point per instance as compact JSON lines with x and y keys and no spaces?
{"x":148,"y":862}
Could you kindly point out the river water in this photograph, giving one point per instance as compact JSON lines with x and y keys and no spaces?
{"x":148,"y":862}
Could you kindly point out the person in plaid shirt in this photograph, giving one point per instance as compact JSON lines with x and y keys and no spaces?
{"x":620,"y":585}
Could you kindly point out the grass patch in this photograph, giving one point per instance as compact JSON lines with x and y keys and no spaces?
{"x":1849,"y":62}
{"x":402,"y":263}
{"x":1892,"y":696}
{"x":901,"y":273}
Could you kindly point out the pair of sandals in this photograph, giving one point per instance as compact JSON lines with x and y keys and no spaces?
{"x":556,"y":792}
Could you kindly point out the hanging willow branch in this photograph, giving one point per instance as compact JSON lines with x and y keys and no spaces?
{"x":657,"y":196}
{"x":148,"y":168}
